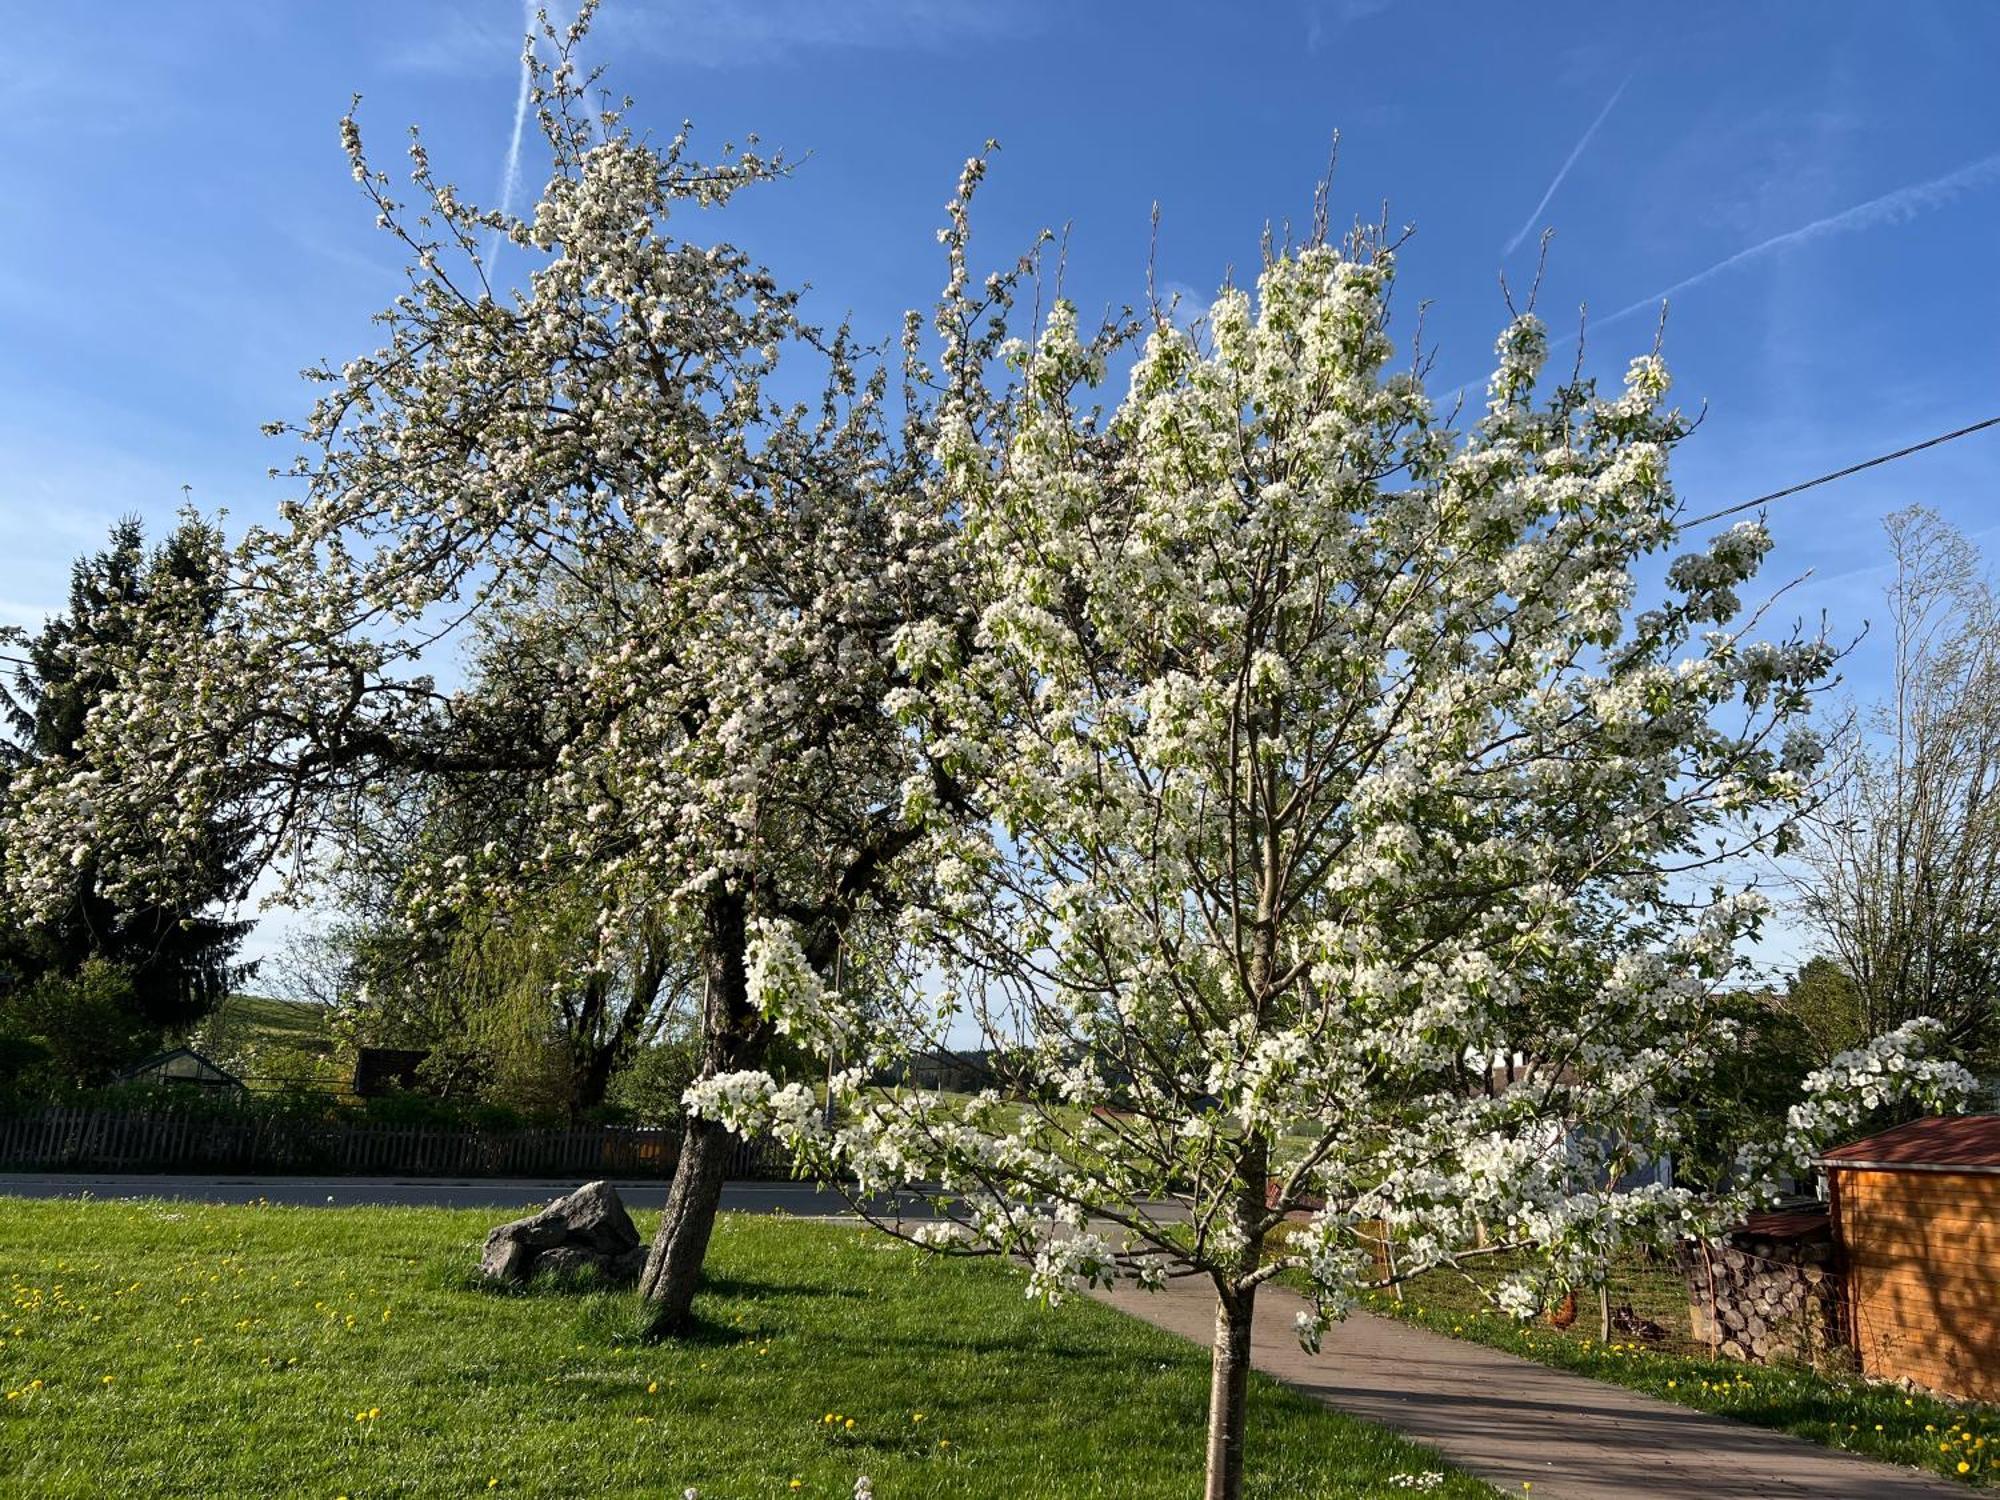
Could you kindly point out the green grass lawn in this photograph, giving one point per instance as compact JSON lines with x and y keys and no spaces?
{"x":173,"y":1349}
{"x":1879,"y":1421}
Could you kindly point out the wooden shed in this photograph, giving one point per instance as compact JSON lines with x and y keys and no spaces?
{"x":1916,"y":1214}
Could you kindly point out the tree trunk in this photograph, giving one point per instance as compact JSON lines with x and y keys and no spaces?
{"x":673,"y":1269}
{"x":1228,"y":1392}
{"x":737,"y":1038}
{"x":612,"y":1037}
{"x":593,"y":1078}
{"x":1235,"y":1300}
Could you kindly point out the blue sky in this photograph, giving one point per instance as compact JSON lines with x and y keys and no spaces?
{"x":1820,"y":183}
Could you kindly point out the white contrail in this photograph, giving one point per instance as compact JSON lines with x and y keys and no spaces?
{"x":1898,"y":207}
{"x":510,"y":175}
{"x":1570,"y":161}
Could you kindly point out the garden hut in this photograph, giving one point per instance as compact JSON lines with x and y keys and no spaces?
{"x":1916,"y":1213}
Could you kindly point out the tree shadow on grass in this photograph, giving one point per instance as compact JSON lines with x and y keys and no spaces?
{"x":754,"y":1288}
{"x":565,"y":1285}
{"x":943,"y":1340}
{"x":704,"y":1332}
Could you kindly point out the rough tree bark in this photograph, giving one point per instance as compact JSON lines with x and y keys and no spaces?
{"x":736,"y":1038}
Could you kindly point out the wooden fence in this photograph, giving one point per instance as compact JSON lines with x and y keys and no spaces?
{"x":58,"y":1139}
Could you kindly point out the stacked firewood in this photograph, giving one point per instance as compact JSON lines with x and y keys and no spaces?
{"x":1765,"y":1297}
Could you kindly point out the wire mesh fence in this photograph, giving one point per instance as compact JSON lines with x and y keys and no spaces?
{"x":1745,"y":1299}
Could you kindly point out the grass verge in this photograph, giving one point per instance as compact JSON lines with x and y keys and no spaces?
{"x":1960,"y":1441}
{"x":173,"y":1349}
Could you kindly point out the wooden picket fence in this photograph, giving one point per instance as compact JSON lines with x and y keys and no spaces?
{"x":59,"y":1139}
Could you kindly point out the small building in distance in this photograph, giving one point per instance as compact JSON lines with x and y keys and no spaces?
{"x":1916,"y":1213}
{"x":953,"y":1072}
{"x":182,"y":1066}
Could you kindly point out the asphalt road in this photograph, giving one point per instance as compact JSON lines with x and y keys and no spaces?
{"x":800,"y":1198}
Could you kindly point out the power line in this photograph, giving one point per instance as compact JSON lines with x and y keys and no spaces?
{"x":1730,"y":510}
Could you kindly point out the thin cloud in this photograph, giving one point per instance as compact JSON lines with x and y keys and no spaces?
{"x":1325,"y":17}
{"x":1575,"y":152}
{"x":510,"y":175}
{"x":1899,"y":207}
{"x":739,"y":33}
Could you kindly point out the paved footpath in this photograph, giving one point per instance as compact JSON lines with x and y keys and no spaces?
{"x":1509,"y":1420}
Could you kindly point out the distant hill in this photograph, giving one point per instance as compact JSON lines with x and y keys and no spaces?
{"x":267,"y":1042}
{"x":263,"y":1020}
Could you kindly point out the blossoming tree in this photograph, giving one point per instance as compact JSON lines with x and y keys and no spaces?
{"x":683,"y":595}
{"x":1355,"y":837}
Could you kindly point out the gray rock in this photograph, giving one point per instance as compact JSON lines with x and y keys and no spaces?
{"x":569,"y":1260}
{"x":588,"y":1229}
{"x":595,"y":1215}
{"x":505,"y":1258}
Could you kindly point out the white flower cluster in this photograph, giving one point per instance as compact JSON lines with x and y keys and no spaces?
{"x":751,"y":1103}
{"x":1889,"y":1070}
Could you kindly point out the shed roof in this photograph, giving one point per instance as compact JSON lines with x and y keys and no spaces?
{"x":1939,"y":1143}
{"x":183,"y":1063}
{"x":1786,"y":1224}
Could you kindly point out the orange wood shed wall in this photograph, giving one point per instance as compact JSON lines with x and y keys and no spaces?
{"x":1923,"y":1276}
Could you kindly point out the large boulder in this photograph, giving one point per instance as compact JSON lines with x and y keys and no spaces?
{"x":587,"y":1231}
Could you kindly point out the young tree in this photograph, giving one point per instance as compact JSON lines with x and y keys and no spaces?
{"x":1902,"y":863}
{"x":720,"y":756}
{"x":1330,"y":763}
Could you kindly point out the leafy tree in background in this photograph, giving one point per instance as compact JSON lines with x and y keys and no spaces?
{"x":1744,"y":1096}
{"x":175,"y":955}
{"x":1827,"y":1006}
